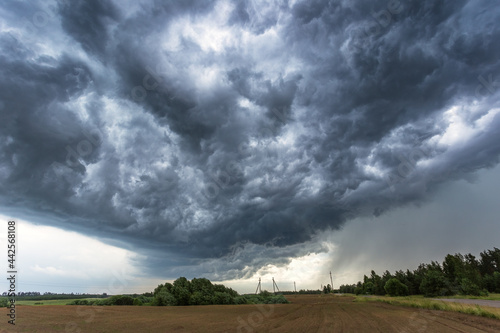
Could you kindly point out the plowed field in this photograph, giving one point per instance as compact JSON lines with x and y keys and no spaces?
{"x":307,"y":313}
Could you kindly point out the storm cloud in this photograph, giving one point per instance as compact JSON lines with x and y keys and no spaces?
{"x":216,"y":137}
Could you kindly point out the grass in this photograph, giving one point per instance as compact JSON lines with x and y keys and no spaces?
{"x":430,"y":304}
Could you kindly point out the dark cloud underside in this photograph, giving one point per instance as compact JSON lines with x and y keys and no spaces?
{"x":206,"y":130}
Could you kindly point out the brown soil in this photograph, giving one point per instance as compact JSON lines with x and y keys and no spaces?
{"x":307,"y":313}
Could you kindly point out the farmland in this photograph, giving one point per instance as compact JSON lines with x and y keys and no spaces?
{"x":306,"y":313}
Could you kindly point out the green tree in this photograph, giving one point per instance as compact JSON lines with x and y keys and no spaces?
{"x":467,"y":287}
{"x":496,"y":278}
{"x":182,"y":282}
{"x":434,"y":284}
{"x":164,"y":298}
{"x":487,"y":263}
{"x":378,"y":284}
{"x":472,"y":271}
{"x":359,"y":288}
{"x":394,"y":287}
{"x":327,"y":289}
{"x":202,"y":285}
{"x":222,"y":298}
{"x":386,"y":277}
{"x":202,"y":292}
{"x":489,"y":283}
{"x":199,"y":298}
{"x":158,"y":289}
{"x":453,"y":268}
{"x":368,"y":288}
{"x":181,"y":291}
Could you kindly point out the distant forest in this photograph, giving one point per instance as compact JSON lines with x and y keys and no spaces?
{"x":458,"y":274}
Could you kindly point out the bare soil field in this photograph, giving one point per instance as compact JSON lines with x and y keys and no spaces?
{"x":307,"y":313}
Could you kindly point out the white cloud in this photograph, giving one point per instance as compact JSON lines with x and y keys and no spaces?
{"x":51,"y":259}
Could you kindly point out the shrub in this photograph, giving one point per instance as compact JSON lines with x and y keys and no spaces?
{"x":79,"y":302}
{"x":121,"y":300}
{"x":278,"y":299}
{"x":241,"y":300}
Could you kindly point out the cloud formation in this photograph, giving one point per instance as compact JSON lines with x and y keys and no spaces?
{"x":206,"y":134}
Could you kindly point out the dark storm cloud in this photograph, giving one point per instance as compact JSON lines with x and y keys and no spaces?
{"x":153,"y":127}
{"x":88,"y":21}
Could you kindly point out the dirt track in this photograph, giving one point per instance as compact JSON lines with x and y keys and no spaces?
{"x":482,"y":302}
{"x":309,"y":313}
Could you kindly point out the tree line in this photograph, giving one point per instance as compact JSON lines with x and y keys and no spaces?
{"x":200,"y":291}
{"x":458,"y":274}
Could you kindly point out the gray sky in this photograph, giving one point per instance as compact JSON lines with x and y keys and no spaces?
{"x":237,"y":139}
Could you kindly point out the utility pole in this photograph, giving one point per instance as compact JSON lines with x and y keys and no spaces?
{"x":294,"y":286}
{"x":259,"y":288}
{"x":331,"y":280}
{"x":274,"y":284}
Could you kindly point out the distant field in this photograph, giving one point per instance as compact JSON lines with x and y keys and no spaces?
{"x":306,"y":313}
{"x":49,"y":302}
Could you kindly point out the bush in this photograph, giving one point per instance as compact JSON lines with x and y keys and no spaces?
{"x":394,"y":287}
{"x":106,"y":301}
{"x":278,"y":299}
{"x":79,"y":302}
{"x":121,"y":300}
{"x":241,"y":300}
